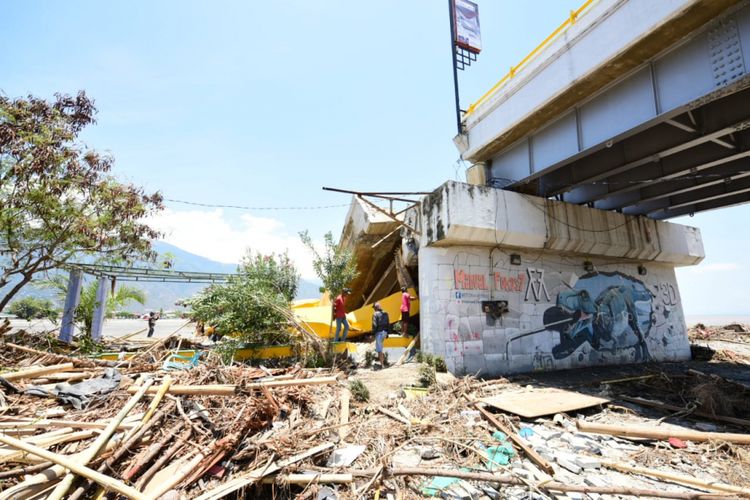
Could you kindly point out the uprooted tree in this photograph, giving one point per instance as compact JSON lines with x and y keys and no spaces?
{"x":255,"y":304}
{"x":57,"y":198}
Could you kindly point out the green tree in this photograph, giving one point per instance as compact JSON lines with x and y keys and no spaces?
{"x":85,"y":311}
{"x":336,"y":266}
{"x":29,"y":308}
{"x":57,"y":198}
{"x":254,"y":304}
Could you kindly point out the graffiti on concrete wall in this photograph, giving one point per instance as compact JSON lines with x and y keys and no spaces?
{"x":610,"y":311}
{"x":556,"y":318}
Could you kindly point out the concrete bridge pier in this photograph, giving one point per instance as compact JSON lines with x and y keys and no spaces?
{"x":72,"y":298}
{"x":513,"y":283}
{"x":100,"y":308}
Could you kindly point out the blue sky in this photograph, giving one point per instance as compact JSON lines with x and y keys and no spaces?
{"x":263,"y":103}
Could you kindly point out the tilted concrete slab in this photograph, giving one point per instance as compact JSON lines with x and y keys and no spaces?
{"x":464,"y":214}
{"x":364,"y":227}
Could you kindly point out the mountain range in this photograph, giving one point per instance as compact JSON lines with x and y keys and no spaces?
{"x":164,"y":295}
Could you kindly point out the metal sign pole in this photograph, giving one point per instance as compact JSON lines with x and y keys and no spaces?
{"x":452,"y":15}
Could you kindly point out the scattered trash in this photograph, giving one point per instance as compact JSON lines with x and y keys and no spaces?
{"x":344,"y":457}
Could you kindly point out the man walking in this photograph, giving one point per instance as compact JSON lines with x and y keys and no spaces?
{"x":339,"y":312}
{"x":406,"y":299}
{"x":380,"y":326}
{"x":152,"y":317}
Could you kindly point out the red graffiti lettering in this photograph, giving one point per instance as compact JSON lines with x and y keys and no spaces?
{"x":466,"y":281}
{"x":509,"y":283}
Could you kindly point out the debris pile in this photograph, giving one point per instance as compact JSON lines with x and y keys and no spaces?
{"x":77,"y":427}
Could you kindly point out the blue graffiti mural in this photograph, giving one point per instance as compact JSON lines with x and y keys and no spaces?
{"x":610,"y":311}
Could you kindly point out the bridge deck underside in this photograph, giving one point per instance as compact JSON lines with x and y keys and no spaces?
{"x":695,"y":161}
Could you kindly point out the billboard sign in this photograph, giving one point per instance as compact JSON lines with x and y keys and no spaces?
{"x":466,"y":18}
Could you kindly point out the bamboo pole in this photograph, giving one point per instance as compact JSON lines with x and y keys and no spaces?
{"x":305,"y":479}
{"x":157,"y":399}
{"x":178,"y":476}
{"x":81,"y":470}
{"x":195,"y":390}
{"x":661,"y":433}
{"x":62,"y":488}
{"x":46,"y":442}
{"x":61,"y":357}
{"x":230,"y":390}
{"x":128,"y":442}
{"x":37,"y":371}
{"x":697,"y":412}
{"x":34,"y":424}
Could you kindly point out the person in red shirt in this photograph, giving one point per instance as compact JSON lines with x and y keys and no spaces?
{"x":339,"y":313}
{"x":406,"y":299}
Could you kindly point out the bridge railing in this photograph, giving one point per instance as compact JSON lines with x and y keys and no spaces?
{"x":574,"y":15}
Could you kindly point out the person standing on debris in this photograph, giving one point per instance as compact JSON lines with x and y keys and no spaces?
{"x":380,"y":326}
{"x":152,"y":317}
{"x":339,"y":312}
{"x":406,"y":299}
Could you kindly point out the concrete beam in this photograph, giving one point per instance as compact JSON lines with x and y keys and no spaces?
{"x":462,"y":214}
{"x":364,"y":228}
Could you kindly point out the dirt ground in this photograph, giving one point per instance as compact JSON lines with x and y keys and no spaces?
{"x":386,"y":383}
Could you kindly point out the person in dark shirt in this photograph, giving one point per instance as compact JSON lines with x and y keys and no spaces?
{"x":380,"y":326}
{"x":152,"y":317}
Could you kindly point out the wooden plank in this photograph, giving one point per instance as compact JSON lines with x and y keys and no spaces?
{"x":256,"y":475}
{"x":393,"y":415}
{"x":544,"y":401}
{"x":408,"y":350}
{"x":530,"y":452}
{"x":344,"y":415}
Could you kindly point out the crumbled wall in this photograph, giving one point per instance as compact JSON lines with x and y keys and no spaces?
{"x":612,"y":315}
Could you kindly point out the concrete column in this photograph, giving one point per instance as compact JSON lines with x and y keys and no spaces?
{"x":73,"y":296}
{"x":511,"y":283}
{"x":100,"y":308}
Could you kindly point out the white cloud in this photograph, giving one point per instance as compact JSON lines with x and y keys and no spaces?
{"x":713,"y":267}
{"x":208,"y":233}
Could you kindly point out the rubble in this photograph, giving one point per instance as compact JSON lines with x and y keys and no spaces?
{"x":218,"y":430}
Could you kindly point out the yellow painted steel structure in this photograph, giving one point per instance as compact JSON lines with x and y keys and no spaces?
{"x":574,"y":14}
{"x":318,"y":318}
